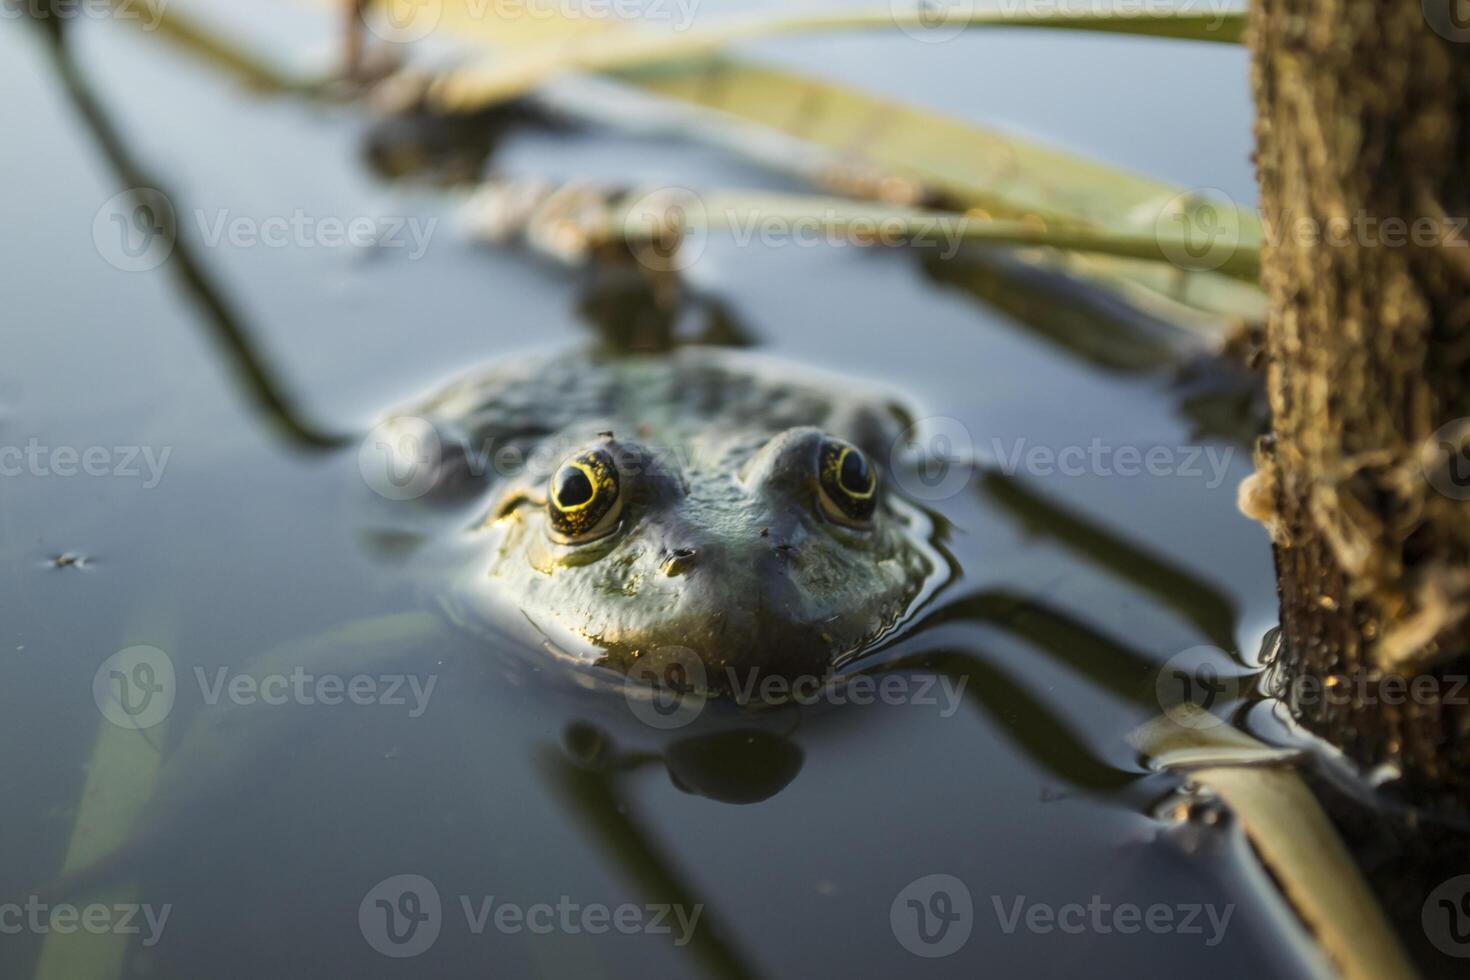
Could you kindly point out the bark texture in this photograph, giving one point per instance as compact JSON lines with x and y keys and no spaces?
{"x":1363,"y":136}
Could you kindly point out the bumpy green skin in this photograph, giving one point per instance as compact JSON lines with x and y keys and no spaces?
{"x":721,"y":547}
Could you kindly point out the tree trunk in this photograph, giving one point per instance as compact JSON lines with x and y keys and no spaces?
{"x":1363,"y":158}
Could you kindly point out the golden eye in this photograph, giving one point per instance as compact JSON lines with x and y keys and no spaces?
{"x":583,"y":500}
{"x":849,"y":485}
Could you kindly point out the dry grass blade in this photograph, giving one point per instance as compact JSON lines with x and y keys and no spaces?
{"x":624,"y":48}
{"x":207,"y":44}
{"x":1293,"y":836}
{"x":981,"y":171}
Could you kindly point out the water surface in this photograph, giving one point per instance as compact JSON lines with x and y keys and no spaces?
{"x":270,"y":824}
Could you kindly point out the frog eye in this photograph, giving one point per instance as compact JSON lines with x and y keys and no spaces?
{"x":583,"y":500}
{"x":849,"y":484}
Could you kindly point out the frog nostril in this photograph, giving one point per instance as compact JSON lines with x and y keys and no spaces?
{"x":679,"y":560}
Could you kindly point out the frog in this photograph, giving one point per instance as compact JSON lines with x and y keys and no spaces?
{"x":722,"y":504}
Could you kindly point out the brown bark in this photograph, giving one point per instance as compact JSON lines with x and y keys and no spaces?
{"x":1363,"y":115}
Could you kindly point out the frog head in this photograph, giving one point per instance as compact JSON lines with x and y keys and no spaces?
{"x":759,"y":556}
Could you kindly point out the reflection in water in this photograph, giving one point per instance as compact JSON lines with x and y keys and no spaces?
{"x":1084,"y":322}
{"x":1175,"y":587}
{"x":630,"y":309}
{"x":1121,"y":670}
{"x":746,"y":765}
{"x":217,"y":313}
{"x":211,"y":757}
{"x":1223,"y":399}
{"x":734,"y":767}
{"x":594,"y":797}
{"x":1032,"y":725}
{"x":412,"y":140}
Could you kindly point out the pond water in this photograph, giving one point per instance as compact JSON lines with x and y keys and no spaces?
{"x":216,"y":535}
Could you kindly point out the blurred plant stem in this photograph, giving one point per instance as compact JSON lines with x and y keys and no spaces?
{"x":530,"y":66}
{"x":215,"y":309}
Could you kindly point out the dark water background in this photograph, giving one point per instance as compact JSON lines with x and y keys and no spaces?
{"x":1072,"y":590}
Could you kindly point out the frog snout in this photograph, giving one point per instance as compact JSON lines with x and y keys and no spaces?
{"x":678,"y":561}
{"x":742,"y":610}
